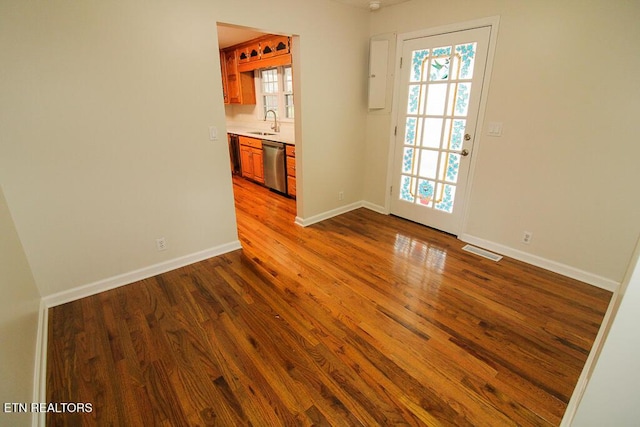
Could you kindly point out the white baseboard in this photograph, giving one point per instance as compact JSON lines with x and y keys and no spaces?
{"x":40,"y":371}
{"x":305,"y":222}
{"x":587,"y":369}
{"x":40,"y":368}
{"x":556,"y":267}
{"x":136,"y":275}
{"x":376,"y":208}
{"x":599,"y":342}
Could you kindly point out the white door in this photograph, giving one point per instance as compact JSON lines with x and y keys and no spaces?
{"x":441,"y":82}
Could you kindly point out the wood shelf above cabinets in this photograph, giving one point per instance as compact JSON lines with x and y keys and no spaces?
{"x":274,"y":45}
{"x":267,"y":51}
{"x":275,"y":61}
{"x":248,"y":53}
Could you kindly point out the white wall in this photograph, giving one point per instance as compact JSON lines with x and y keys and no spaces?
{"x":612,"y":394}
{"x":331,"y":103}
{"x":105,"y":108}
{"x":18,"y":321}
{"x":104,"y":130}
{"x":104,"y":116}
{"x":564,"y":86}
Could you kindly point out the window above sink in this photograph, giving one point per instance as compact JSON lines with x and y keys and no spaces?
{"x":274,"y":90}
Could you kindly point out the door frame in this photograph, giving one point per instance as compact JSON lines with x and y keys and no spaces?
{"x":491,"y":22}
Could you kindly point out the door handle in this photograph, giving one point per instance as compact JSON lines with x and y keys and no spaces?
{"x":465,"y":152}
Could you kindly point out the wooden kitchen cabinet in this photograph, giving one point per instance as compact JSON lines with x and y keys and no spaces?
{"x":290,"y":151}
{"x":238,"y":86}
{"x":251,"y":159}
{"x":223,"y":72}
{"x":249,"y":52}
{"x":270,"y":50}
{"x":274,"y":46}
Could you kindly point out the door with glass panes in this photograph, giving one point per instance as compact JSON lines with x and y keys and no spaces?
{"x":441,"y":79}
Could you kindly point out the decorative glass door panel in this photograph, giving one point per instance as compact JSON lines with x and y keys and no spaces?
{"x":441,"y":85}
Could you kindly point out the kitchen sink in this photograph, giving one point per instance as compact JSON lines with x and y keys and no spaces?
{"x":261,"y":133}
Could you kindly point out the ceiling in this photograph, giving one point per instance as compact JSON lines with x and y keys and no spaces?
{"x":228,"y":35}
{"x":364,"y":4}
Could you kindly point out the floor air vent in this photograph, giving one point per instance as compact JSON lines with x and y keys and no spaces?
{"x":482,"y":253}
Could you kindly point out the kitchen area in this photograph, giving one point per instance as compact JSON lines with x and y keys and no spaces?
{"x":257,"y":80}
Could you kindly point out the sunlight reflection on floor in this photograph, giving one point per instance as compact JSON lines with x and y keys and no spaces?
{"x":418,"y":260}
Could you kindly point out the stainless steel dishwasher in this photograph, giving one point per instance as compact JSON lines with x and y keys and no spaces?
{"x":273,"y":158}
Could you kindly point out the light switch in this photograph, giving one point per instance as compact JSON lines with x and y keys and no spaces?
{"x":494,"y":129}
{"x":213,"y":133}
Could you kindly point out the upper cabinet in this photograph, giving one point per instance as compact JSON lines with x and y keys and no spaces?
{"x":249,"y":52}
{"x":223,"y":72}
{"x":238,"y":87}
{"x":274,"y":46}
{"x":238,"y":63}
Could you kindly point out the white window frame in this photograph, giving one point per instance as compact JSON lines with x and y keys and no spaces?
{"x":281,"y":94}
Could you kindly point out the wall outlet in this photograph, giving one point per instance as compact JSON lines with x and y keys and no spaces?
{"x":340,"y":195}
{"x":526,"y":237}
{"x":161,"y":244}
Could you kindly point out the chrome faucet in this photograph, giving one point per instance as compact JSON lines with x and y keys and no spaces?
{"x":275,"y":126}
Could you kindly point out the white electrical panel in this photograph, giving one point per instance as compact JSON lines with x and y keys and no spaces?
{"x":378,"y":60}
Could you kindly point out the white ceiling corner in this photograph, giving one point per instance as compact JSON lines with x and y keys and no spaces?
{"x":364,"y":4}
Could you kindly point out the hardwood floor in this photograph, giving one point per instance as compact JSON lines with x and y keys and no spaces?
{"x":363,"y":319}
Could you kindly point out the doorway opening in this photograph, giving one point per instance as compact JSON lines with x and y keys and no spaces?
{"x":260,"y":93}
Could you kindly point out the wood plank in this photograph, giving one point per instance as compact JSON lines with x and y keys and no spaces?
{"x":362,"y":319}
